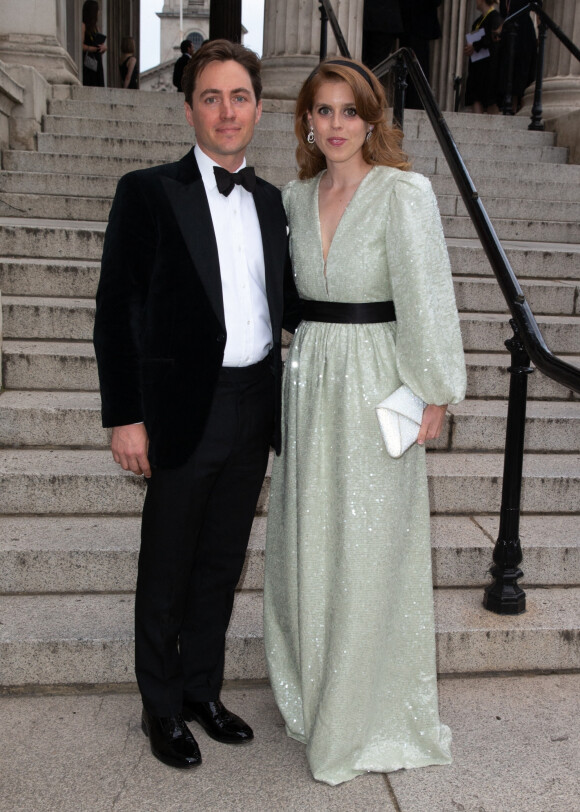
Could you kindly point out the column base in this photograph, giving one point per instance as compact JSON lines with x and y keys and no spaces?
{"x":282,"y":76}
{"x":45,"y":54}
{"x":560,"y":95}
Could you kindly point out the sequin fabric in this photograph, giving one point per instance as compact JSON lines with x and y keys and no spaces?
{"x":348,"y":605}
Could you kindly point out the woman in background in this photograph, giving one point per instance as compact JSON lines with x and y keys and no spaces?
{"x":348,"y":606}
{"x":128,"y":64}
{"x":93,"y":46}
{"x":482,"y":75}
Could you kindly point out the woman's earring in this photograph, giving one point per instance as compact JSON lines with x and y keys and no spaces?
{"x":368,"y":135}
{"x":310,"y":136}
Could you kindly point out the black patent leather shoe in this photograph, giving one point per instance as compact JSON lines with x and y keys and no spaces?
{"x":218,"y":722}
{"x":171,"y":740}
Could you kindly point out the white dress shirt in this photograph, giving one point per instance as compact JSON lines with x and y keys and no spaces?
{"x":242,"y":270}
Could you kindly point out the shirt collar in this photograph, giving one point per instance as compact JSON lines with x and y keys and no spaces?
{"x":206,"y":165}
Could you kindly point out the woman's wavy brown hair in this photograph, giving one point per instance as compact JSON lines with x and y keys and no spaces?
{"x":384,"y":145}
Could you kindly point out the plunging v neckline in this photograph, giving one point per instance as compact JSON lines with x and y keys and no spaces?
{"x":342,"y":216}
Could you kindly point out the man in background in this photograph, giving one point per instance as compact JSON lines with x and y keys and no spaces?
{"x":186,"y":48}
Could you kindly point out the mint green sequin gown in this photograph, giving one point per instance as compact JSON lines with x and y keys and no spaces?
{"x":348,"y":605}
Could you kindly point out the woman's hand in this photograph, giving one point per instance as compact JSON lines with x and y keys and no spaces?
{"x":468,"y":50}
{"x":432,"y":423}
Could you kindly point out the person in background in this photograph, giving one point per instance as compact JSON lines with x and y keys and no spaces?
{"x":93,"y":46}
{"x":128,"y":64}
{"x":482,"y":74}
{"x":526,"y":46}
{"x":186,"y":48}
{"x":382,"y":24}
{"x":420,"y":26}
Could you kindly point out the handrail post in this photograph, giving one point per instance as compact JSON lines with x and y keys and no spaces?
{"x":512,"y":34}
{"x":504,"y":596}
{"x":400,"y":89}
{"x":323,"y":31}
{"x":536,"y":122}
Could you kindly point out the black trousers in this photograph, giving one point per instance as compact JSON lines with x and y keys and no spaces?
{"x":196,"y":525}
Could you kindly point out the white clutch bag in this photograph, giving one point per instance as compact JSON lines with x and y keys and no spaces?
{"x":400,"y":417}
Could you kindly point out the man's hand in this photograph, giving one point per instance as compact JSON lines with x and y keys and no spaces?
{"x":129,"y":445}
{"x":432,"y":423}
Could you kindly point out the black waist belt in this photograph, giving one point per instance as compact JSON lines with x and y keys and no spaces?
{"x":347,"y":312}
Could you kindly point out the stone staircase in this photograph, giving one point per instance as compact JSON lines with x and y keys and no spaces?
{"x":69,"y":523}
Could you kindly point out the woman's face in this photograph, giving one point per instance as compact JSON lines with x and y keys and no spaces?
{"x":339,"y":131}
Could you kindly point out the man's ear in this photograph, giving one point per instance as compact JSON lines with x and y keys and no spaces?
{"x":258,"y":112}
{"x":188,"y":114}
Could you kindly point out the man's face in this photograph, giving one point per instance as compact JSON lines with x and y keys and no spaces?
{"x":224,"y":112}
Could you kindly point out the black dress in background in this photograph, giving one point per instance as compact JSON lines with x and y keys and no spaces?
{"x":93,"y":78}
{"x":123,"y":68}
{"x":482,"y":76}
{"x":525,"y":51}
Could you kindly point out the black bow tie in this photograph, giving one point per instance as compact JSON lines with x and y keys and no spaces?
{"x":227,"y":180}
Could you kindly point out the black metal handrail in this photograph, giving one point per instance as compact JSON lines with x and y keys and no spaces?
{"x":504,"y":595}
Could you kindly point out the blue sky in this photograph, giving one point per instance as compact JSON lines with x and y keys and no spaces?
{"x":252,"y":18}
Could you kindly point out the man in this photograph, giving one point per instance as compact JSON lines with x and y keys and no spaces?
{"x":186,"y":49}
{"x":187,"y":336}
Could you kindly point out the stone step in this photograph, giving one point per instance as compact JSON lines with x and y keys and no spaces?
{"x":272,"y":129}
{"x":98,"y":554}
{"x":34,"y":365}
{"x":528,"y":188}
{"x":51,"y":419}
{"x":472,"y":120}
{"x":557,"y":297}
{"x":488,"y":377}
{"x":57,"y":319}
{"x":545,"y":198}
{"x":75,"y":197}
{"x":88,"y":639}
{"x":58,"y":207}
{"x":480,"y":425}
{"x":58,"y":239}
{"x":70,"y":482}
{"x":37,"y":365}
{"x":278,"y":166}
{"x":34,"y":317}
{"x":472,"y":640}
{"x":59,"y":419}
{"x":487,"y":332}
{"x":515,"y":208}
{"x":97,"y":209}
{"x":172,"y":111}
{"x":522,"y":230}
{"x":489,"y":152}
{"x":54,"y":277}
{"x":174,"y":128}
{"x":270,"y":154}
{"x":76,"y":554}
{"x":555,"y":294}
{"x":529,"y":259}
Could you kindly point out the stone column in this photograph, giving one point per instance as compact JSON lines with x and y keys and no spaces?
{"x":292,"y":41}
{"x":561,"y":88}
{"x":31,"y":35}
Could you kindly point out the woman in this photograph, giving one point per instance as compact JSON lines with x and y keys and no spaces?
{"x":128,"y":64}
{"x":93,"y":46}
{"x":482,"y":75}
{"x":348,"y":595}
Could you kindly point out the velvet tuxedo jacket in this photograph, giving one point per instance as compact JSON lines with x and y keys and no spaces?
{"x":160,"y":330}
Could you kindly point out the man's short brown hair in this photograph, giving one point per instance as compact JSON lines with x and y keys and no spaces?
{"x":221,"y":50}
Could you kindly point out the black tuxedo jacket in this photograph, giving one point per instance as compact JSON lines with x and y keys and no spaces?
{"x":159,"y":328}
